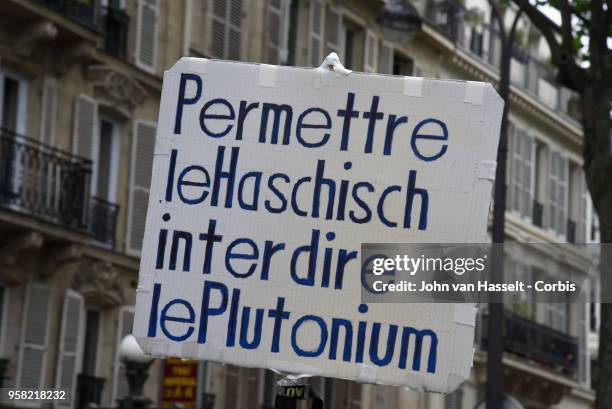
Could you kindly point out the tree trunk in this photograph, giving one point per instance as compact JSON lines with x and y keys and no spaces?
{"x":595,"y":100}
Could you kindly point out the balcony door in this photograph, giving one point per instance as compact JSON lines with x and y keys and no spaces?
{"x":106,"y":159}
{"x":13,"y":117}
{"x":13,"y":102}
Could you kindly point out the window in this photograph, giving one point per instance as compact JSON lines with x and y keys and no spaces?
{"x":402,"y":65}
{"x":520,"y":189}
{"x":541,"y":174}
{"x":90,"y":351}
{"x":276,"y":37}
{"x":107,"y":159}
{"x":576,"y":206}
{"x":354,"y":41}
{"x":13,"y":102}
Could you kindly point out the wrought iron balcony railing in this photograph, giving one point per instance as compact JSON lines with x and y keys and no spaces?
{"x":85,"y":13}
{"x":53,"y":186}
{"x":539,"y":343}
{"x":88,"y":391}
{"x":103,"y":219}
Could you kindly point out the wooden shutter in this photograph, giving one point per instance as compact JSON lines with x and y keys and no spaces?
{"x":385,"y":58}
{"x":143,"y":144}
{"x":125,"y":321}
{"x":315,"y":33}
{"x":70,"y":344}
{"x":371,"y":52}
{"x":85,"y":118}
{"x":333,"y":32}
{"x":34,"y":338}
{"x":48,"y":110}
{"x":146,"y":34}
{"x":226,"y":29}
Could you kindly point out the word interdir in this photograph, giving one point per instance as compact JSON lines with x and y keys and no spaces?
{"x":320,"y":195}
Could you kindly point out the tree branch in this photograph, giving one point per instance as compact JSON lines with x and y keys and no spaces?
{"x":571,"y":72}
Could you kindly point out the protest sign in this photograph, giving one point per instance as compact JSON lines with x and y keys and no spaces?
{"x":265,"y":182}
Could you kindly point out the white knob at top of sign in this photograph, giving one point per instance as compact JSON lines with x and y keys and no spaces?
{"x":130,"y":351}
{"x":332,"y":63}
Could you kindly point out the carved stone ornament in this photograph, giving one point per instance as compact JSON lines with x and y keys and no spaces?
{"x":98,"y":282}
{"x":17,"y":266}
{"x":115,"y":89}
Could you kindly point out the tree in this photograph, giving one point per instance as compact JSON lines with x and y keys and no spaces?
{"x":580,"y":50}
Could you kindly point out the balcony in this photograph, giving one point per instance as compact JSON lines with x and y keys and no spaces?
{"x":116,"y":24}
{"x":471,"y":34}
{"x":539,"y":343}
{"x":53,"y":186}
{"x":84,"y":12}
{"x":88,"y":391}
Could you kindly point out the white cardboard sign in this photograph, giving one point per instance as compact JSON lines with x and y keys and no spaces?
{"x":265,"y":182}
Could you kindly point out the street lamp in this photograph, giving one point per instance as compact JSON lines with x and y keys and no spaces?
{"x":399,"y":20}
{"x":136,"y":371}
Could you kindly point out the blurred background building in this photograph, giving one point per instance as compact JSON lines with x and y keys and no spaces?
{"x":80,"y":83}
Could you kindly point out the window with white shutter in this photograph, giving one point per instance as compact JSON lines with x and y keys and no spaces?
{"x":125,"y":321}
{"x":34,"y":338}
{"x":370,"y":52}
{"x":146,"y":34}
{"x":333,"y":32}
{"x":143,"y":144}
{"x":276,"y":32}
{"x":557,"y":193}
{"x":385,"y":58}
{"x":85,"y":120}
{"x":48,"y":111}
{"x":522,"y":172}
{"x":70,"y":344}
{"x":315,"y":33}
{"x":226,"y":29}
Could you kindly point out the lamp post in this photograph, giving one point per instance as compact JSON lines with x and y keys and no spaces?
{"x":136,"y":371}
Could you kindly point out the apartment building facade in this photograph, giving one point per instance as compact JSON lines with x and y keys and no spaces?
{"x":80,"y":83}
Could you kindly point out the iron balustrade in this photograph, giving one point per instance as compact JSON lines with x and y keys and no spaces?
{"x":103,"y":219}
{"x":85,"y":13}
{"x":539,"y":343}
{"x":88,"y":391}
{"x":52,"y":185}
